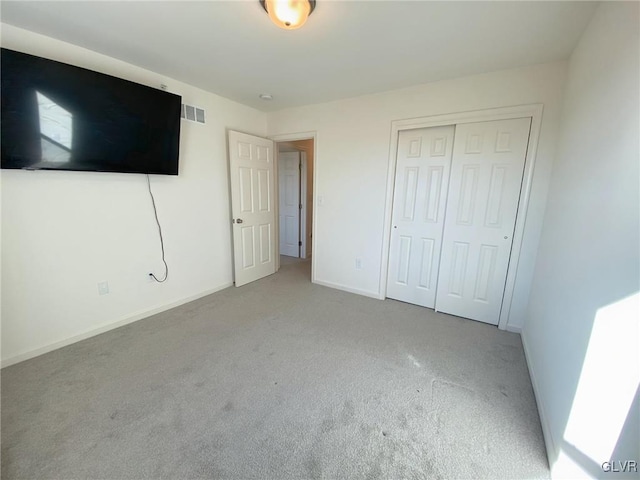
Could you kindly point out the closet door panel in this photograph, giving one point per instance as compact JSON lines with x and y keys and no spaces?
{"x":422,"y":175}
{"x":484,"y":191}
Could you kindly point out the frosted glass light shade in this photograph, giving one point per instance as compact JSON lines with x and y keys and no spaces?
{"x":288,"y":14}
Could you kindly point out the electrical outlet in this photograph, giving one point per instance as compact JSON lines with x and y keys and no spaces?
{"x":103,"y":288}
{"x":358,"y":263}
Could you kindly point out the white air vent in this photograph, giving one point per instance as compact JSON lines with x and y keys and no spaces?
{"x":193,"y":114}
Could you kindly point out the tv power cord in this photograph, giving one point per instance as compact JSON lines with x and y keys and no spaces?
{"x":155,"y":213}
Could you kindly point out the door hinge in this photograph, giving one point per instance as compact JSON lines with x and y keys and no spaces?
{"x":300,"y":243}
{"x":299,"y":206}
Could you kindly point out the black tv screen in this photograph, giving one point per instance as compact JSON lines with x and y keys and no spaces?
{"x":61,"y":117}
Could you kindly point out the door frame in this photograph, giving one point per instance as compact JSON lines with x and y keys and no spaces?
{"x":533,"y":111}
{"x":290,"y":137}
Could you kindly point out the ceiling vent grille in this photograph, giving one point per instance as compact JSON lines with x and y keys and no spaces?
{"x":191,"y":113}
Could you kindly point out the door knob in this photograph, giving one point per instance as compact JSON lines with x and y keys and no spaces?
{"x":239,"y":220}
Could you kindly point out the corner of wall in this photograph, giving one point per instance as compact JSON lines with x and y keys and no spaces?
{"x":549,"y":442}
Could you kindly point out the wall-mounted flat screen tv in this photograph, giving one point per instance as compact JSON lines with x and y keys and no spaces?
{"x":61,"y":117}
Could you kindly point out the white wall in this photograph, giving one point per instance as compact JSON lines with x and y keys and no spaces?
{"x":353,"y":153}
{"x":587,"y":270}
{"x":63,"y":232}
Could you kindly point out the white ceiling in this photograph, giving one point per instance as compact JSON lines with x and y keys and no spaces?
{"x":346,"y":49}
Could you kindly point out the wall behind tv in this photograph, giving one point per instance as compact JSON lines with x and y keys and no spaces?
{"x":64,"y":232}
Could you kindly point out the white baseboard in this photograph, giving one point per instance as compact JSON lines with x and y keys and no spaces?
{"x":549,"y":443}
{"x":345,"y":288}
{"x":110,"y":326}
{"x":514,"y":329}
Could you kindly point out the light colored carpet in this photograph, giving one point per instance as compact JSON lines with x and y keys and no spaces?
{"x":277,"y":379}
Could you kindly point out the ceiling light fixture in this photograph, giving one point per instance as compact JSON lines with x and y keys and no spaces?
{"x":288,"y":14}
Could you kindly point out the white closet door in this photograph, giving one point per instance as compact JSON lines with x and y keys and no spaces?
{"x":289,"y":177}
{"x":422,"y":175}
{"x":484,"y":190}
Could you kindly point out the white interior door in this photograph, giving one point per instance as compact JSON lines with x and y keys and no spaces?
{"x":289,"y":179}
{"x":422,"y":176}
{"x":252,"y":204}
{"x":305,"y":248}
{"x":486,"y":175}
